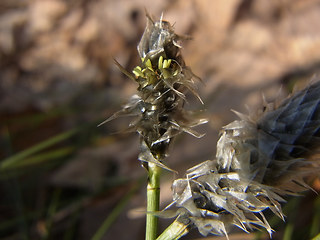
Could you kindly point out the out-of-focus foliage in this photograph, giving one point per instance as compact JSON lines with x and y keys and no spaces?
{"x":57,"y":75}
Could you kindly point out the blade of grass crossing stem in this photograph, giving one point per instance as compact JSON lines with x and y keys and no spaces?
{"x":15,"y":159}
{"x":174,"y":232}
{"x":316,"y":237}
{"x":115,"y":213}
{"x":153,"y":201}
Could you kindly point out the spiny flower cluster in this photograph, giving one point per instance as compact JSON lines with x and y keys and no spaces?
{"x":259,"y":160}
{"x":163,"y":81}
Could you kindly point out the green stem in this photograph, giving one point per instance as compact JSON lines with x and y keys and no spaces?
{"x":153,"y":199}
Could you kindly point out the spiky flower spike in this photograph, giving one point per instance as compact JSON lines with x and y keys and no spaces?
{"x":259,"y":160}
{"x":163,"y":80}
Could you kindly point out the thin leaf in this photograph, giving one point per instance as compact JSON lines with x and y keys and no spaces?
{"x":174,"y":232}
{"x":16,"y":159}
{"x":43,"y":157}
{"x":114,"y":214}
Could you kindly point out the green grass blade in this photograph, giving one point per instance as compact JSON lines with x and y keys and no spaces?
{"x":43,"y":157}
{"x":51,"y":211}
{"x":316,"y":237}
{"x":70,"y":234}
{"x":16,"y":159}
{"x":174,"y":232}
{"x":114,"y":214}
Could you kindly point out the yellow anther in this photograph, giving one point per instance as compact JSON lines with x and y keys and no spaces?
{"x":166,"y":63}
{"x":160,"y":62}
{"x":137,"y":72}
{"x":148,"y":63}
{"x":169,"y":62}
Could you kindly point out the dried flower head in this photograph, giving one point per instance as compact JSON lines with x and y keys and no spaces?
{"x":163,"y":81}
{"x":259,"y":160}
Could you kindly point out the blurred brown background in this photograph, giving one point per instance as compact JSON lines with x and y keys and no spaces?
{"x":57,"y":75}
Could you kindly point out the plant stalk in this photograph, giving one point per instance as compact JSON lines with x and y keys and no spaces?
{"x":153,"y":200}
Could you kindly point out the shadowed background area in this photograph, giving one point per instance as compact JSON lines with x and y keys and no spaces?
{"x":61,"y":177}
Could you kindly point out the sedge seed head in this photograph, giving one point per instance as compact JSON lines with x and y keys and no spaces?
{"x":163,"y":79}
{"x":260,"y":158}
